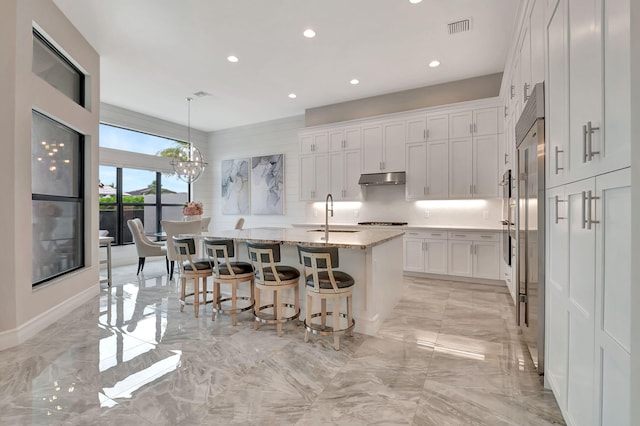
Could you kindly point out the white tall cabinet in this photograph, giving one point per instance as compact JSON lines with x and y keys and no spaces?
{"x":586,"y":58}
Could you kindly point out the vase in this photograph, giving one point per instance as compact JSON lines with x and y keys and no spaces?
{"x":193,"y":217}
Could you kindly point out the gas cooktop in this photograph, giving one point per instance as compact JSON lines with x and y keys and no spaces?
{"x":375,"y":223}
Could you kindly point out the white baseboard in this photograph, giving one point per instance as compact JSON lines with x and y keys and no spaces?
{"x":22,"y":333}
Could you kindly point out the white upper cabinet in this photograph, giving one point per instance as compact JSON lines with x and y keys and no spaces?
{"x":461,"y":168}
{"x":416,"y":185}
{"x":344,"y":174}
{"x":525,"y":66}
{"x":460,"y":124}
{"x":314,"y":177}
{"x":478,"y":122}
{"x":485,"y":121}
{"x":437,"y":127}
{"x":585,"y":87}
{"x":437,"y":169}
{"x":312,"y":143}
{"x":536,"y":30}
{"x":417,"y":129}
{"x":344,"y":139}
{"x":383,"y":147}
{"x":485,"y":166}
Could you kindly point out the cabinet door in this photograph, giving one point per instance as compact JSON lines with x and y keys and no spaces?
{"x":556,"y":97}
{"x":306,"y":144}
{"x":536,"y":28}
{"x":485,"y":121}
{"x":615,"y":151}
{"x":413,"y":254}
{"x":437,"y":169}
{"x":352,"y":190}
{"x":307,"y":177}
{"x":581,"y":304}
{"x":336,"y":175}
{"x":344,"y":138}
{"x":437,"y":127}
{"x":314,"y":143}
{"x":460,"y":124}
{"x":485,"y":166}
{"x":460,"y":258}
{"x":436,"y":256}
{"x":417,"y":129}
{"x":486,"y":260}
{"x":460,"y":168}
{"x":585,"y":77}
{"x":336,"y":140}
{"x":525,"y":65}
{"x":372,"y":149}
{"x":352,"y":138}
{"x":557,"y":293}
{"x":416,"y":185}
{"x":612,"y":211}
{"x":394,"y":143}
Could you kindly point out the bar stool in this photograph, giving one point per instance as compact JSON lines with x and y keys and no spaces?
{"x":324,"y":282}
{"x":227,"y":272}
{"x":275,"y":278}
{"x":192,"y":268}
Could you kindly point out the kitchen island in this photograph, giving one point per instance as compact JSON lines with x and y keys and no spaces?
{"x":373,"y":257}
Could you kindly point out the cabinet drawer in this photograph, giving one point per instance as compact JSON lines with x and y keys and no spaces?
{"x":487,"y":236}
{"x":461,"y":235}
{"x":429,"y":235}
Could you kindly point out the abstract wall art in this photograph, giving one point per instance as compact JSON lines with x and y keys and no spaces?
{"x":235,"y":186}
{"x":267,"y":184}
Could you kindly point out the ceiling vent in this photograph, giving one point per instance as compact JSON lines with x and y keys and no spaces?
{"x":461,"y":26}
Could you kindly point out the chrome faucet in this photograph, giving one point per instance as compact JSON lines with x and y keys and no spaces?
{"x":326,"y":215}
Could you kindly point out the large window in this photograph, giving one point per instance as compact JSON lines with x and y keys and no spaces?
{"x":127,"y":193}
{"x":57,"y":199}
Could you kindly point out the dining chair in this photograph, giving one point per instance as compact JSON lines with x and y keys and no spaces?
{"x":144,"y":246}
{"x":175,"y":228}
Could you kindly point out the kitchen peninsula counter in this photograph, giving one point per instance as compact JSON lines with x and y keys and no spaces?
{"x":373,"y":257}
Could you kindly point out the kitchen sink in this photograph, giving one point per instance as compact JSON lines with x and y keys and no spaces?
{"x":348,"y":231}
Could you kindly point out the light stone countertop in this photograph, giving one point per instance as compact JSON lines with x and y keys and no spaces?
{"x":361,"y":239}
{"x":496,"y":228}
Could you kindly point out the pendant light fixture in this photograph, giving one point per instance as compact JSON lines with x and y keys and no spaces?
{"x":188,"y":162}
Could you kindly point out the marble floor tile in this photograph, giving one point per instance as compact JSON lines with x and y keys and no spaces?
{"x":449,"y":353}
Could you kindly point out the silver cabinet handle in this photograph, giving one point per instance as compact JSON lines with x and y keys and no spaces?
{"x":505,"y":158}
{"x":459,"y":235}
{"x":584,"y":144}
{"x":426,"y":246}
{"x":590,"y":130}
{"x":506,"y":111}
{"x":557,"y":151}
{"x":590,"y":198}
{"x":485,"y":236}
{"x":470,"y":128}
{"x":436,"y":235}
{"x":425,"y":133}
{"x":427,"y":191}
{"x":471,"y":249}
{"x":512,"y":91}
{"x":558,"y":201}
{"x":526,"y":90}
{"x":583,"y":209}
{"x":381,"y":165}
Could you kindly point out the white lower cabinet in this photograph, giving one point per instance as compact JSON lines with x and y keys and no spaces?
{"x":462,"y":254}
{"x":589,"y":288}
{"x":425,"y":252}
{"x":473,"y":254}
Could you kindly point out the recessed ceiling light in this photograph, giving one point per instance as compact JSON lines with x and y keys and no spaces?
{"x":434,"y":63}
{"x":232,"y":58}
{"x":414,"y":1}
{"x":309,"y":33}
{"x":292,"y":95}
{"x":354,"y":81}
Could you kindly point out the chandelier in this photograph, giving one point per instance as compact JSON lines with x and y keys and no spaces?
{"x":187,"y":162}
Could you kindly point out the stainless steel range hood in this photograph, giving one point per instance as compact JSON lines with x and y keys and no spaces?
{"x":392,"y":178}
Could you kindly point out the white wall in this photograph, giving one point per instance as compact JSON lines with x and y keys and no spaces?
{"x":23,"y":310}
{"x":380,"y":202}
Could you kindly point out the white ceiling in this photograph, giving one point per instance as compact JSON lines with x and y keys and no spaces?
{"x":155,"y":54}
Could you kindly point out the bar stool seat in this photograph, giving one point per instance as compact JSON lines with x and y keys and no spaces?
{"x":229,"y":272}
{"x":274,"y":278}
{"x":190,"y":268}
{"x":323,"y":282}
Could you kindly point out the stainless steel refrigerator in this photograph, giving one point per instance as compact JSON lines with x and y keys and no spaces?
{"x":530,"y":225}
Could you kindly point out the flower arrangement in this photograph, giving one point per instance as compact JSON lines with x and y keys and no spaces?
{"x":192,"y":208}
